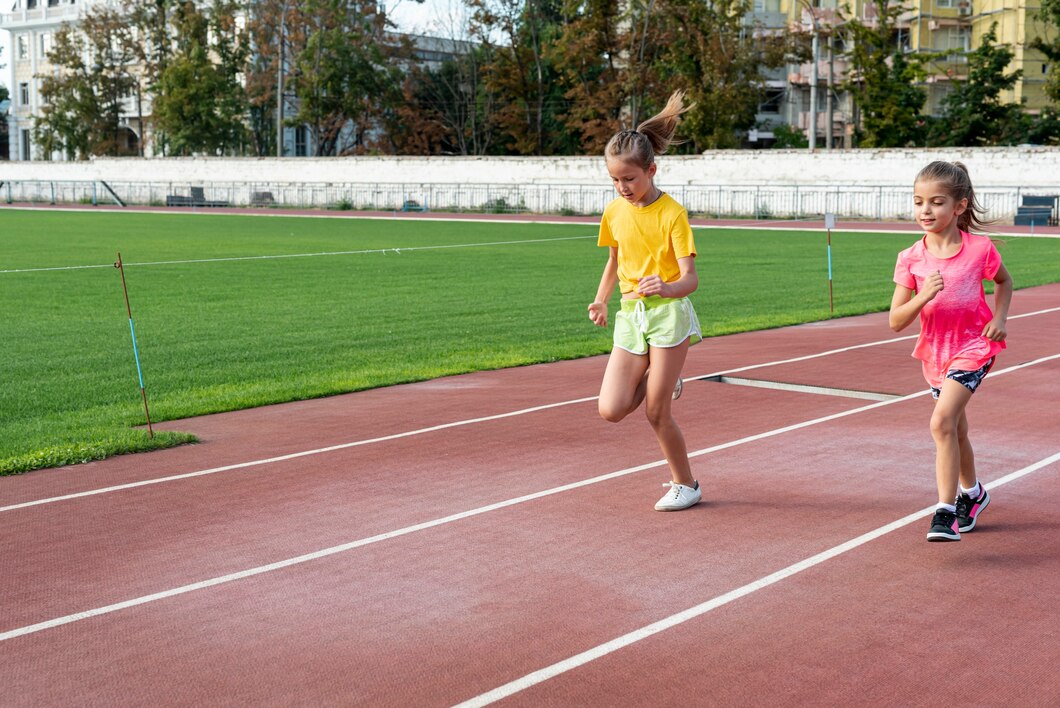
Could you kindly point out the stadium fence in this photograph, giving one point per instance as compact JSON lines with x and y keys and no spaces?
{"x":763,"y":202}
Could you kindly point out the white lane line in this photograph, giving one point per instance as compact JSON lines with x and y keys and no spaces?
{"x":315,"y":555}
{"x":543,"y":219}
{"x":435,"y":428}
{"x":549,"y":672}
{"x":909,"y":230}
{"x":291,"y":456}
{"x":396,"y":250}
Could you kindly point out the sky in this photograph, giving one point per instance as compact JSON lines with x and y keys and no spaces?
{"x":432,"y":17}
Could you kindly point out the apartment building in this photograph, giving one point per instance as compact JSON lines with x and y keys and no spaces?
{"x":930,"y":26}
{"x":941,"y":31}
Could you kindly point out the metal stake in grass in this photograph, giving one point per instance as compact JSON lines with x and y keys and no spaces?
{"x":829,"y":224}
{"x":136,"y":353}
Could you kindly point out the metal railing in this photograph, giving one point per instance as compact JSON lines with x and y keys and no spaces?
{"x":882,"y":202}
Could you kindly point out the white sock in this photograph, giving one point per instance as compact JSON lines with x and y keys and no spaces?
{"x":974,"y":492}
{"x":946,"y":507}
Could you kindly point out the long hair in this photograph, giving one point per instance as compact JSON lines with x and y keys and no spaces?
{"x":953,"y":176}
{"x":652,"y":137}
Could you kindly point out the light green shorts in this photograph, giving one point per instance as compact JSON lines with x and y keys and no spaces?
{"x":657,"y":322}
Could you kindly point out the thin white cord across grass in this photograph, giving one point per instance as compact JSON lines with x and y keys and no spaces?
{"x":395,"y":250}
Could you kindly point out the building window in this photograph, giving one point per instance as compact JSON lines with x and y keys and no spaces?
{"x":23,"y":94}
{"x":774,"y":97}
{"x":945,"y":3}
{"x":25,"y":144}
{"x":955,"y":39}
{"x":45,"y":44}
{"x":22,"y":47}
{"x":300,"y":141}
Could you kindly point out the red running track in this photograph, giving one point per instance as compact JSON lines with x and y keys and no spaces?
{"x":439,"y":565}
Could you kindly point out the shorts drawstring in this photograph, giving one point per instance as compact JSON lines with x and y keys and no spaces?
{"x":640,"y":317}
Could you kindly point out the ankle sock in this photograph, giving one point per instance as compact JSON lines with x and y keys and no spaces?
{"x":946,"y":507}
{"x":974,"y":492}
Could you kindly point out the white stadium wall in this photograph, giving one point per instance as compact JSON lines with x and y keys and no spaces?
{"x":768,"y":183}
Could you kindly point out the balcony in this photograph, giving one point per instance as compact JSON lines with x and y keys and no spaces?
{"x":40,"y":15}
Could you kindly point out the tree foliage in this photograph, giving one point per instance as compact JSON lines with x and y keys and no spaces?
{"x":973,"y":113}
{"x":591,"y":71}
{"x":525,"y":77}
{"x":708,"y":48}
{"x":83,"y":101}
{"x":345,"y":75}
{"x":200,"y":104}
{"x":884,"y":80}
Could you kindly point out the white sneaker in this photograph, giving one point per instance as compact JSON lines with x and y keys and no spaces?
{"x":678,"y":388}
{"x":679,"y":497}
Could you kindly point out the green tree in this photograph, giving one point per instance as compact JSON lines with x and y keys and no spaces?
{"x":346,"y":77}
{"x":708,"y":48}
{"x":788,"y":136}
{"x":449,"y":110}
{"x":973,"y":113}
{"x":83,"y":100}
{"x":199,"y":102}
{"x":884,"y":81}
{"x":593,"y":77}
{"x":522,"y":75}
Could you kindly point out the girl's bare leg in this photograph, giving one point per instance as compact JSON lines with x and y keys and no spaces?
{"x":946,"y":423}
{"x":624,"y":384}
{"x":666,"y":366}
{"x":968,"y":476}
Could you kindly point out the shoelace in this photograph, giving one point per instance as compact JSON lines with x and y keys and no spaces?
{"x":676,"y":488}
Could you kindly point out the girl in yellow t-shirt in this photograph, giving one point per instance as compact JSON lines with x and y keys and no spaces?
{"x":651,"y":256}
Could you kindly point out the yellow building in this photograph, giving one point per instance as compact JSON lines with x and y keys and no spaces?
{"x":940,"y":31}
{"x":959,"y":25}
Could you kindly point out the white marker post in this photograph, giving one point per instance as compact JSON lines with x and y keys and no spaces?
{"x":829,"y":224}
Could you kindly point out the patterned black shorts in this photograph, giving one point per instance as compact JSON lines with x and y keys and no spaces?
{"x":969,"y":379}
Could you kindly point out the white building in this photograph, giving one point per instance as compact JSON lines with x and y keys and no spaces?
{"x":32,"y":24}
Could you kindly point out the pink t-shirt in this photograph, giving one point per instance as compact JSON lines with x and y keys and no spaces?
{"x":951,"y":325}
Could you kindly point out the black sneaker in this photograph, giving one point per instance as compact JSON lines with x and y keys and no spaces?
{"x":943,"y":527}
{"x":968,"y":509}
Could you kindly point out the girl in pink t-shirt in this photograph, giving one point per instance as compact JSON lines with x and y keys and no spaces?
{"x":940,"y":279}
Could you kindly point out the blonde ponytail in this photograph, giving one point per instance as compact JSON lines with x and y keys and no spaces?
{"x":652,"y":137}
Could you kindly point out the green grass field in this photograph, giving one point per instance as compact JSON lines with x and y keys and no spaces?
{"x":219,"y":335}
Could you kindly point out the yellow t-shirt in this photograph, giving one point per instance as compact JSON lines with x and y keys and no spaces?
{"x":649,"y":239}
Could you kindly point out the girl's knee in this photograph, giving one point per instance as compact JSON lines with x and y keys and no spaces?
{"x":611,"y":413}
{"x":658,"y":416}
{"x":944,"y":425}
